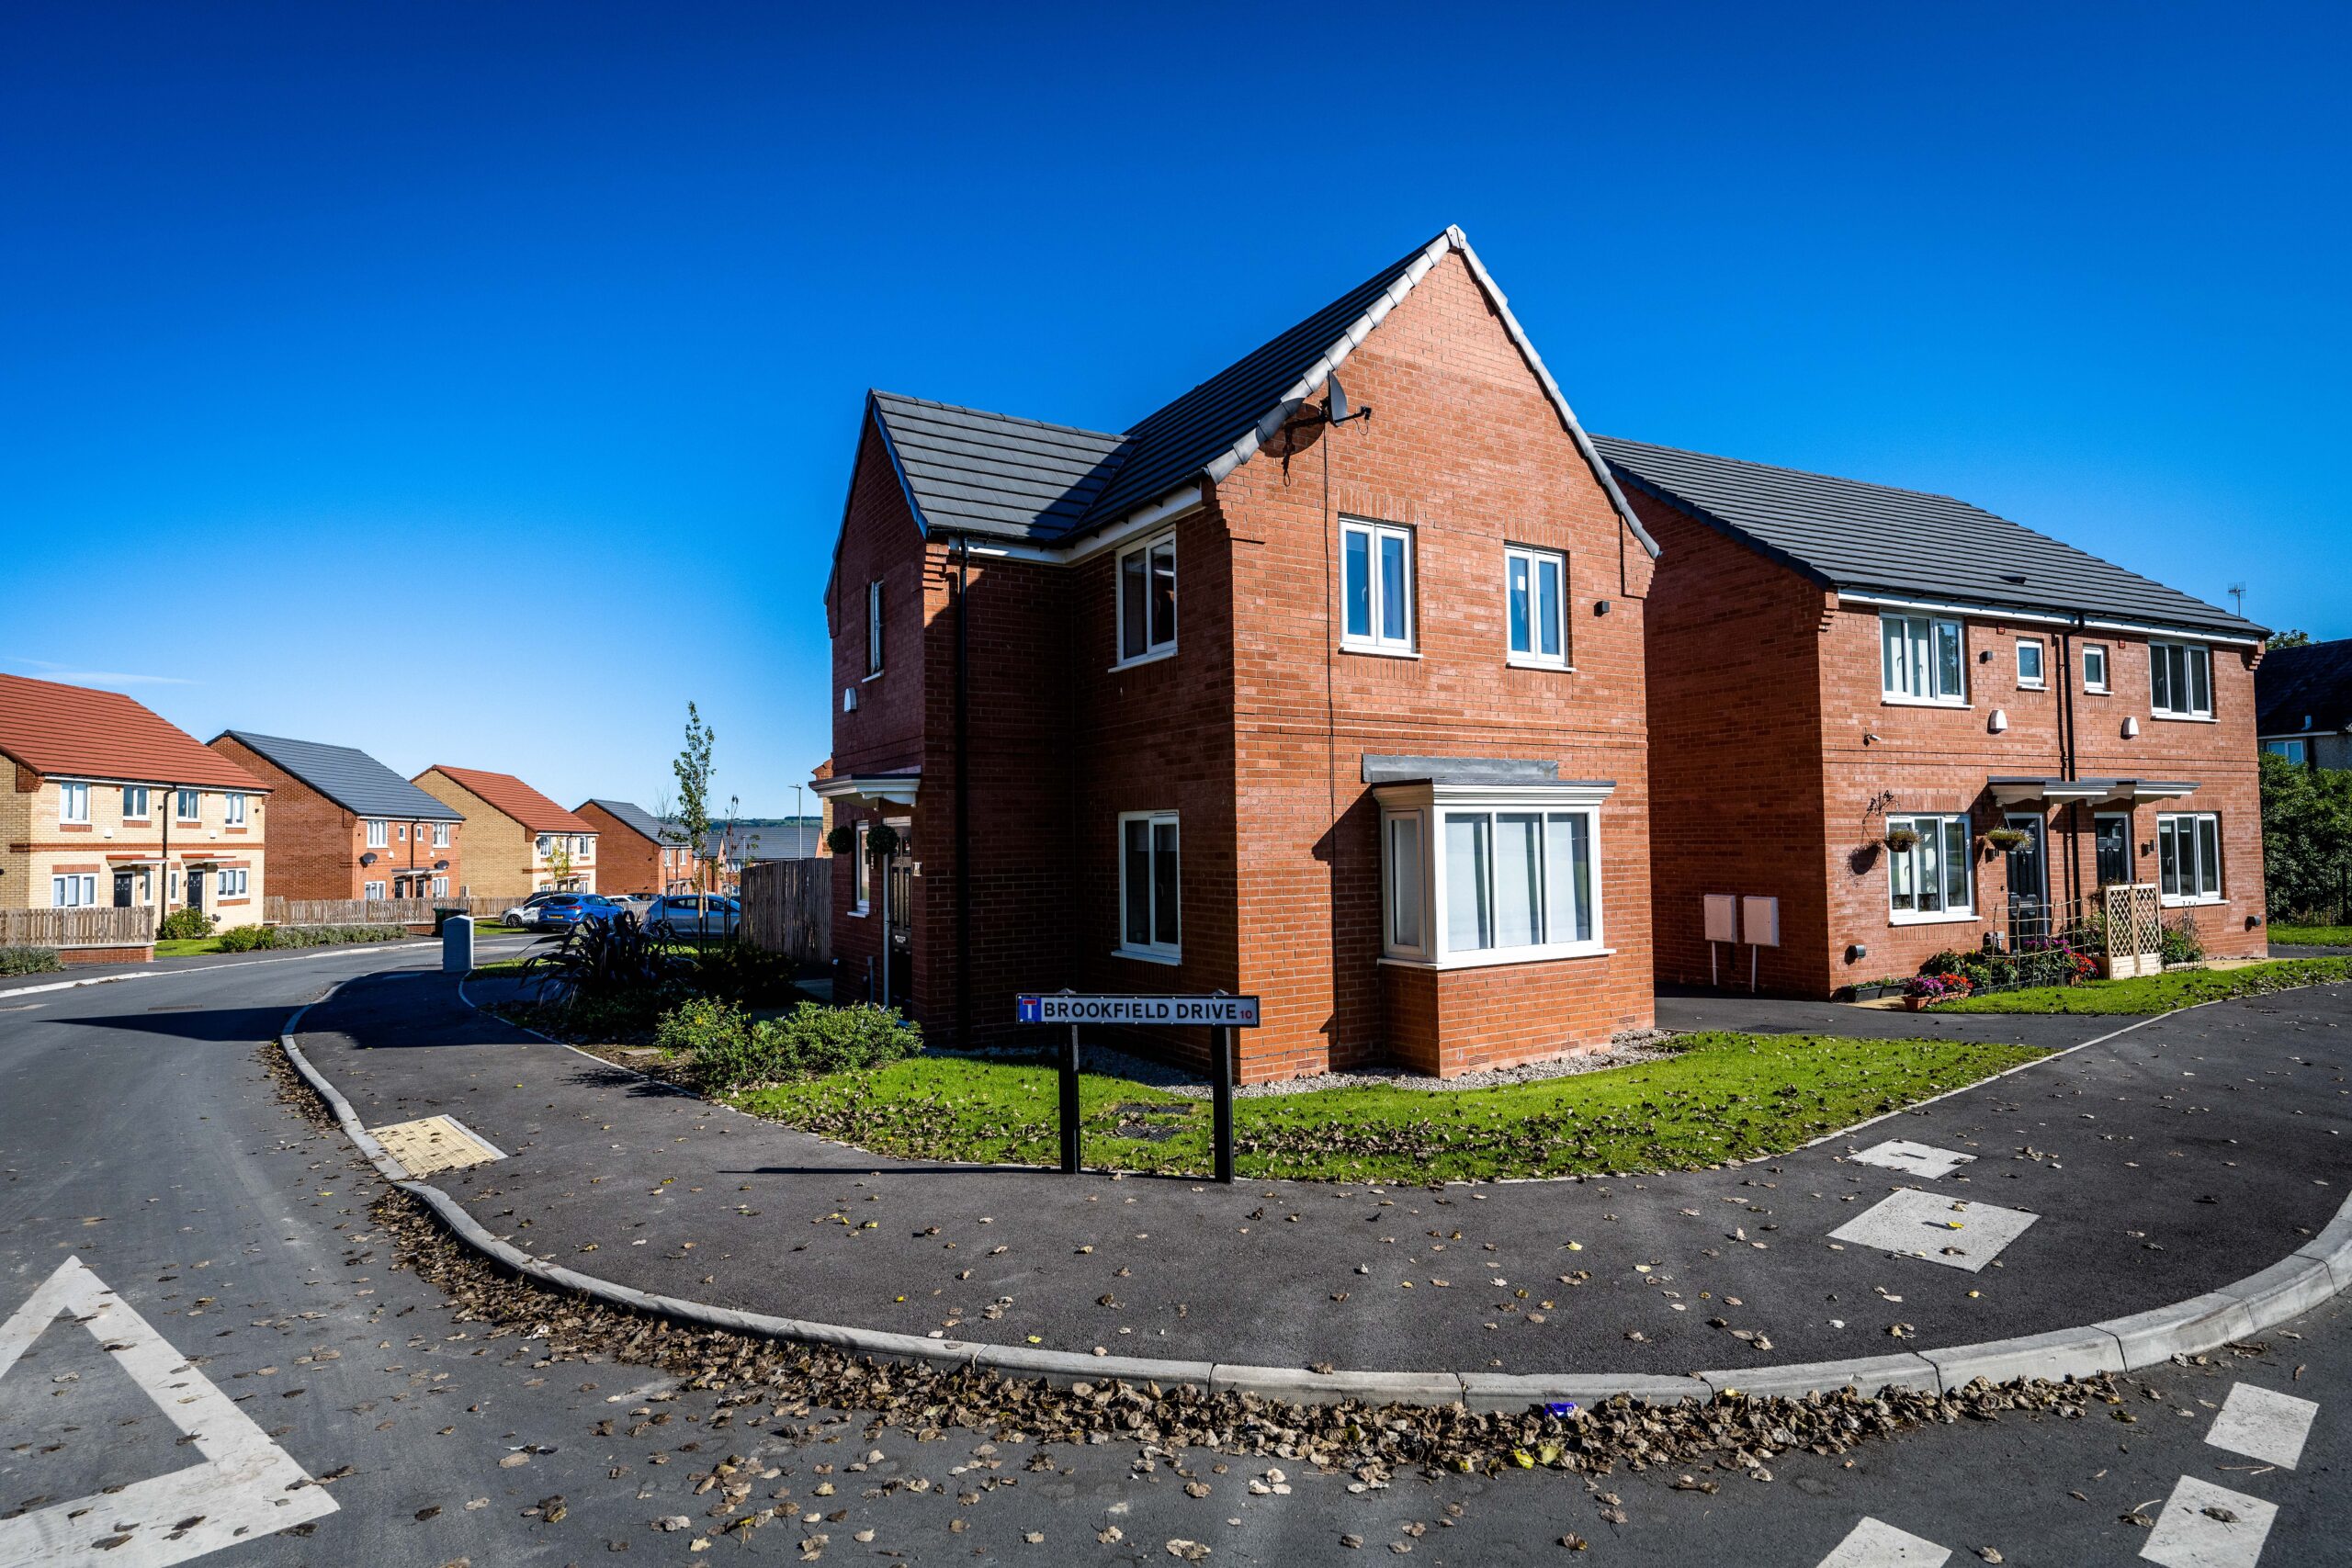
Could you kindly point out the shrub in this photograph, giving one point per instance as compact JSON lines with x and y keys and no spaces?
{"x":727,"y":1051}
{"x":244,"y":938}
{"x":1938,"y":988}
{"x":249,"y":939}
{"x":182,"y":925}
{"x":737,"y":972}
{"x":2182,"y":943}
{"x":29,"y":960}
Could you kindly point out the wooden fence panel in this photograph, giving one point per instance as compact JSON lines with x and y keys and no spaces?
{"x":788,"y":907}
{"x":105,"y":926}
{"x":279,"y":911}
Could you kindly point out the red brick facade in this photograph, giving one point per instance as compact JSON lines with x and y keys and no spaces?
{"x":317,"y":848}
{"x":1254,"y":731}
{"x":1777,"y":759}
{"x":628,"y":861}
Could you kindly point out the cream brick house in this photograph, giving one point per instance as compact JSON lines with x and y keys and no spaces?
{"x":517,"y":841}
{"x":110,"y":805}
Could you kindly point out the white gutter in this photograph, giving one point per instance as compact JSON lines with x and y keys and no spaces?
{"x":2038,"y":618}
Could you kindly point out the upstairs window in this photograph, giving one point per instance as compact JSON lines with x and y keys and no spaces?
{"x":2181,"y":679}
{"x":2094,"y":667}
{"x":872,"y":628}
{"x":1147,"y":600}
{"x":72,"y":803}
{"x":1920,"y":660}
{"x":1928,"y":864}
{"x":134,"y":802}
{"x":546,"y":841}
{"x":1376,"y":570}
{"x":440,"y":835}
{"x":375,"y":834}
{"x":2188,"y":857}
{"x":1151,"y":900}
{"x":2296,"y":751}
{"x":1536,"y":594}
{"x":187,"y":808}
{"x":2029,"y":674}
{"x":232,"y":809}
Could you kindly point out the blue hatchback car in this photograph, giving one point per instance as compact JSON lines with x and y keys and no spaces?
{"x":570,"y":908}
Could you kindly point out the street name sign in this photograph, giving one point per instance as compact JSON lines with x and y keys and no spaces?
{"x":1216,"y":1012}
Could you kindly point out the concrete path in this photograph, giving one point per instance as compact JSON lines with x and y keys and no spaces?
{"x":2182,"y":1156}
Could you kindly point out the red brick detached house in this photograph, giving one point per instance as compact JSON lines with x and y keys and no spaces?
{"x":1850,"y":686}
{"x":1345,"y":712}
{"x":345,"y":825}
{"x":636,"y":851}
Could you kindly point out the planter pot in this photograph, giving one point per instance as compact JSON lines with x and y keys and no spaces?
{"x":1914,"y":1004}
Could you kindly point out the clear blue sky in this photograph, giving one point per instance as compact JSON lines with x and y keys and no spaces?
{"x":336,"y":337}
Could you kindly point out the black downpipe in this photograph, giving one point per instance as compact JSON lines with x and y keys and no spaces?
{"x":2068,"y":766}
{"x":963,"y":796}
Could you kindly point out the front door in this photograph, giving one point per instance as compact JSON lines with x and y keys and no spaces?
{"x":196,"y":890}
{"x":2028,"y":880}
{"x":901,"y":872}
{"x":2113,"y":838}
{"x":122,"y":890}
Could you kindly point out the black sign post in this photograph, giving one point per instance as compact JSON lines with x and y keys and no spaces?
{"x":1220,"y":1013}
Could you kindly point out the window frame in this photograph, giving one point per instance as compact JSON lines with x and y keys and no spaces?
{"x":2040,"y":680}
{"x":371,"y":890}
{"x":1155,"y":950}
{"x":1429,"y":807}
{"x":2106,"y":661}
{"x":146,"y":803}
{"x":1531,"y":658}
{"x":1153,"y":646}
{"x":1944,"y":913}
{"x":874,"y":628}
{"x":1375,"y":640}
{"x":861,"y":877}
{"x":231,"y":882}
{"x":1932,"y":696}
{"x":2195,"y":669}
{"x":232,"y":809}
{"x":2301,"y":753}
{"x":2204,"y":856}
{"x":378,"y":834}
{"x":440,"y":835}
{"x":440,"y":887}
{"x":188,"y":805}
{"x":69,"y":793}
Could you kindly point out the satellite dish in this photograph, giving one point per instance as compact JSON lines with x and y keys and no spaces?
{"x":1335,"y":401}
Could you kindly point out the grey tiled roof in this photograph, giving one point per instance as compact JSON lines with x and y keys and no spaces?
{"x":636,"y":816}
{"x":1849,"y":535}
{"x":350,"y":778}
{"x":991,"y":473}
{"x":2314,"y":681}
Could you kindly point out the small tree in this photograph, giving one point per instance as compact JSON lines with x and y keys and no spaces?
{"x":559,"y":859}
{"x":693,"y":768}
{"x":2292,"y":639}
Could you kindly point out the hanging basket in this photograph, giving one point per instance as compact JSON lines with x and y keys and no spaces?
{"x":2006,"y":838}
{"x":882,"y":840}
{"x":1902,"y":839}
{"x":841,"y":840}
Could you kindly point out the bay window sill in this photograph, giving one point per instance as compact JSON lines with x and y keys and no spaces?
{"x":1496,"y":957}
{"x":1528,"y":661}
{"x":1145,"y":955}
{"x":1941,"y":918}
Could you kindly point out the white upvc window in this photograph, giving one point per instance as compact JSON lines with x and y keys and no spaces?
{"x":1478,"y":875}
{"x":400,"y":831}
{"x":440,"y":887}
{"x":440,"y":835}
{"x":861,"y":875}
{"x":1147,"y":595}
{"x":134,"y":802}
{"x":2188,"y":857}
{"x":1930,"y":877}
{"x":371,"y":890}
{"x":2094,"y":667}
{"x":2029,"y":669}
{"x":376,"y":833}
{"x":2180,"y":678}
{"x":874,"y":628}
{"x":189,"y":804}
{"x":1535,"y":589}
{"x":1151,"y":889}
{"x":1376,"y":586}
{"x":2298,"y":751}
{"x":1921,"y":660}
{"x":232,"y":809}
{"x":74,"y":891}
{"x":232,"y":882}
{"x":72,"y":802}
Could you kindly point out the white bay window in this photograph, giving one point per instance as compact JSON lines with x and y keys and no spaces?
{"x":1490,"y":873}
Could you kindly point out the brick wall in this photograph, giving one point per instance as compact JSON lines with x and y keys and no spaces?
{"x":39,"y":845}
{"x":626,"y":861}
{"x":500,"y":862}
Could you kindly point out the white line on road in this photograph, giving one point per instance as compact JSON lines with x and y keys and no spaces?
{"x":1920,"y":1159}
{"x":246,"y":1488}
{"x":1876,"y":1544}
{"x":2205,"y":1526}
{"x":2263,"y":1424}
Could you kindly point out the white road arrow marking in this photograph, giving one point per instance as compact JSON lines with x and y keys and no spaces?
{"x":246,"y":1488}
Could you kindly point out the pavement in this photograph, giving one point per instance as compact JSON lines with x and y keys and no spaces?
{"x":140,"y":1134}
{"x":2175,"y":1159}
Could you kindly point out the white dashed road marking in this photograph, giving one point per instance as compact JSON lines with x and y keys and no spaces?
{"x":2205,"y":1526}
{"x":2263,"y":1425}
{"x":1874,"y":1544}
{"x":1939,"y":1228}
{"x":248,"y":1486}
{"x":1921,"y":1159}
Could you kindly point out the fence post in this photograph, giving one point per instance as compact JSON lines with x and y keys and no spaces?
{"x":1070,"y":1104}
{"x":1221,"y":1100}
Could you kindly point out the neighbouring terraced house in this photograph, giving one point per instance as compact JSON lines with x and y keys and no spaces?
{"x":1861,"y":697}
{"x":1334,"y":699}
{"x":2305,"y":697}
{"x":343,"y":826}
{"x":112,"y":806}
{"x":517,"y":841}
{"x":636,"y":851}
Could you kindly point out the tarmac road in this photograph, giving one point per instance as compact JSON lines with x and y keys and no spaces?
{"x":142,"y":1134}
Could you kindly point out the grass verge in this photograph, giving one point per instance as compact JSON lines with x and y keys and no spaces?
{"x":2311,"y":936}
{"x":1719,"y":1097}
{"x":2145,"y":994}
{"x":187,"y":946}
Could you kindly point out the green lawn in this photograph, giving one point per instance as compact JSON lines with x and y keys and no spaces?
{"x":1721,"y":1097}
{"x":187,"y":946}
{"x":2160,"y":993}
{"x":2311,"y":936}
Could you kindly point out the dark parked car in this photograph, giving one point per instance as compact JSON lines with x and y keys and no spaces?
{"x":680,"y":913}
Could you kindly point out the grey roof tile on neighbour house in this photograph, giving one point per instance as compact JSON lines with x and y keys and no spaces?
{"x":2306,"y":690}
{"x":968,"y":470}
{"x":636,"y":816}
{"x":1849,"y":535}
{"x":349,"y":777}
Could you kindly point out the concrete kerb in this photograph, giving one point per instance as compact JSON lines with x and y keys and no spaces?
{"x":2287,"y":1289}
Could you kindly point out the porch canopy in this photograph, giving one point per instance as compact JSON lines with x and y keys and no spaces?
{"x":2019,"y":790}
{"x":870,"y":789}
